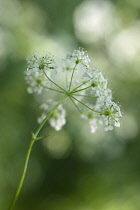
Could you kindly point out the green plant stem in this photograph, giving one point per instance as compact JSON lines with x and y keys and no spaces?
{"x":23,"y":174}
{"x":80,"y":85}
{"x":72,"y":76}
{"x":75,"y":105}
{"x":52,"y":81}
{"x":88,"y":96}
{"x":49,"y":114}
{"x":86,"y":106}
{"x":66,"y":79}
{"x":81,"y":89}
{"x":33,"y":139}
{"x":59,"y":91}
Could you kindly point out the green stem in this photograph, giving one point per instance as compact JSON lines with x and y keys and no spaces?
{"x":23,"y":174}
{"x":75,"y":105}
{"x":66,"y":79}
{"x":52,"y":81}
{"x":33,"y":139}
{"x":85,"y":96}
{"x":72,"y":76}
{"x":59,"y":91}
{"x":49,"y":114}
{"x":80,"y":85}
{"x":86,"y":105}
{"x":81,"y":89}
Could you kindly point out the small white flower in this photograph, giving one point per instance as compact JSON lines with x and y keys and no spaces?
{"x":75,"y":58}
{"x":91,"y":117}
{"x":57,"y":119}
{"x":93,"y":125}
{"x":117,"y":124}
{"x":111,"y":114}
{"x":36,"y":81}
{"x":109,"y":127}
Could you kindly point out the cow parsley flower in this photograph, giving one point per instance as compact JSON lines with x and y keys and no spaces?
{"x":82,"y":83}
{"x":58,"y":120}
{"x":90,"y":116}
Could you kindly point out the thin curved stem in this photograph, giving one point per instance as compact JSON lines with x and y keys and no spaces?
{"x":88,"y":96}
{"x":81,"y":89}
{"x":72,"y":76}
{"x":49,"y":114}
{"x":33,"y":139}
{"x":86,"y":105}
{"x":59,"y":91}
{"x":81,"y":85}
{"x":75,"y":105}
{"x":48,"y":87}
{"x":52,"y":81}
{"x":67,"y":79}
{"x":23,"y":174}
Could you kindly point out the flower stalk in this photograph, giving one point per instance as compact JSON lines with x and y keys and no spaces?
{"x":33,"y":139}
{"x":23,"y":174}
{"x":39,"y":78}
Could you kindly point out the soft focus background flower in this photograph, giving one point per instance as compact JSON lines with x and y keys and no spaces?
{"x":71,"y":168}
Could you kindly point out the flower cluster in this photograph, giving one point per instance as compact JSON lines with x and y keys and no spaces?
{"x":58,"y":118}
{"x":82,"y":82}
{"x":37,"y":67}
{"x":76,"y":57}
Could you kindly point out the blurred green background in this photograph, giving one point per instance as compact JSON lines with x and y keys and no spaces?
{"x":71,"y":169}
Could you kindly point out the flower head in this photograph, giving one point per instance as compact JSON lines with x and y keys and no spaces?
{"x":37,"y":67}
{"x":40,"y":62}
{"x":76,"y":57}
{"x":82,"y":83}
